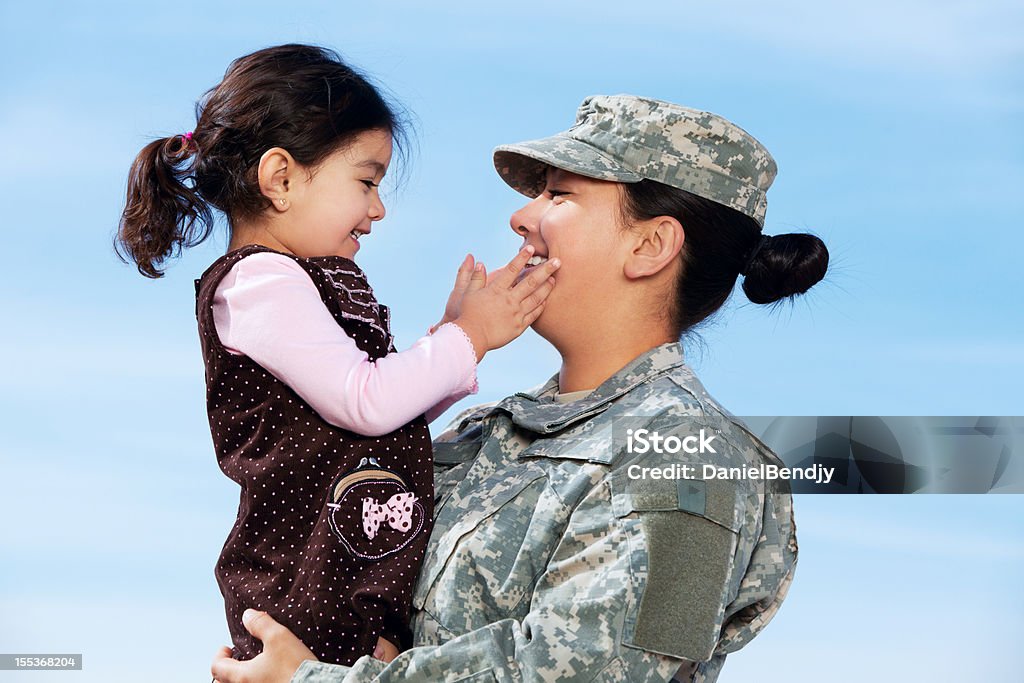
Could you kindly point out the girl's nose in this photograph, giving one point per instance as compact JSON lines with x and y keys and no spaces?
{"x":377,"y":209}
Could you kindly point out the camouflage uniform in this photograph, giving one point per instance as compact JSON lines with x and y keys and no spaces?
{"x":549,"y":562}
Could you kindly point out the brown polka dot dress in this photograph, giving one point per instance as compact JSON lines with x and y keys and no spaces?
{"x":332,"y":526}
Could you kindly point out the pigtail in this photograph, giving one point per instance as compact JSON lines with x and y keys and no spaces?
{"x":162,"y":212}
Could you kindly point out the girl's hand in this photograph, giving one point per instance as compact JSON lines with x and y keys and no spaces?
{"x":454,"y":305}
{"x":496,"y":310}
{"x":282,"y":654}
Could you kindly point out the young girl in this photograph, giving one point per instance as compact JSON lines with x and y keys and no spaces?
{"x":312,"y":411}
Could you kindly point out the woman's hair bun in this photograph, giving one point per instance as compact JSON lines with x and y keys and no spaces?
{"x":783,"y":266}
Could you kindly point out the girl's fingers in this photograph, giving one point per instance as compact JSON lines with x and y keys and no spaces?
{"x":539,"y":295}
{"x":510,"y":272}
{"x":532,"y":316}
{"x":465,"y":273}
{"x":538,"y":278}
{"x":478,"y":278}
{"x":548,"y":268}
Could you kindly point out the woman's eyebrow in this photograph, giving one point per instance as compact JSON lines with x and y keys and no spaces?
{"x":558,"y":176}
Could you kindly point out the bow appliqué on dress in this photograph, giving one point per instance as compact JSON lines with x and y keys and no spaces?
{"x":396,"y":511}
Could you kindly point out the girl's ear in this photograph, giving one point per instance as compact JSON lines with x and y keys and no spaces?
{"x":277,"y":172}
{"x":656,"y":244}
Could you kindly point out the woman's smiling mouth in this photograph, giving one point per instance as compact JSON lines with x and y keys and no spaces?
{"x":535,"y":260}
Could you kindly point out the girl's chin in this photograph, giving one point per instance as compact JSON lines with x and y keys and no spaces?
{"x":346,"y":251}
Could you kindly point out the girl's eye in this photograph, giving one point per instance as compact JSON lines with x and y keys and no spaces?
{"x":370,"y":183}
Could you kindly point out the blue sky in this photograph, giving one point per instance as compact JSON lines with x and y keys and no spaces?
{"x":896,"y":127}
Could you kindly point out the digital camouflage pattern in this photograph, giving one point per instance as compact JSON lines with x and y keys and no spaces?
{"x":625,"y":138}
{"x":548,"y":563}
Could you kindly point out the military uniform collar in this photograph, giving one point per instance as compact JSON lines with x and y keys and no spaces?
{"x":538,"y":412}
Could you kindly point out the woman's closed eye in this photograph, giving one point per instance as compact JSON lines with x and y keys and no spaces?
{"x":557,"y":193}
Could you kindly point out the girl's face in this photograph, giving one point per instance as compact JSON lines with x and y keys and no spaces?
{"x":332,"y":210}
{"x":576,"y":219}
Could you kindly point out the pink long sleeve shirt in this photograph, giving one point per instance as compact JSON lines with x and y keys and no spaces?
{"x":268,"y":309}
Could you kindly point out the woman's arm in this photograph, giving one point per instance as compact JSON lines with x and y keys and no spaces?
{"x":268,"y":309}
{"x":647,"y":575}
{"x":575,"y":629}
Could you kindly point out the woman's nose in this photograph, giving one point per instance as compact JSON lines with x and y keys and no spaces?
{"x":524,"y":220}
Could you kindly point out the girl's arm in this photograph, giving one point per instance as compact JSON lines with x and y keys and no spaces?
{"x":268,"y":309}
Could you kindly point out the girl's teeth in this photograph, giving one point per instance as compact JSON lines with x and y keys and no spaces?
{"x":536,"y":260}
{"x":355,"y":235}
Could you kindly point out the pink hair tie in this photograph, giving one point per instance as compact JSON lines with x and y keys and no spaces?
{"x":186,"y":147}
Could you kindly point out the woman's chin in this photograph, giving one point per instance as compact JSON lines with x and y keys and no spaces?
{"x":542,"y":322}
{"x":550,"y":328}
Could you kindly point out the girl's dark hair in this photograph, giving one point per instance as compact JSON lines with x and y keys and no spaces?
{"x":721,"y":243}
{"x":303,"y":98}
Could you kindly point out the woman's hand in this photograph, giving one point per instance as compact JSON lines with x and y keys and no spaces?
{"x":282,"y":654}
{"x":495,"y":310}
{"x":385,"y":650}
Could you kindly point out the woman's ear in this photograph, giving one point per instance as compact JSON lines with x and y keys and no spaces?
{"x":277,"y":171}
{"x":656,"y":245}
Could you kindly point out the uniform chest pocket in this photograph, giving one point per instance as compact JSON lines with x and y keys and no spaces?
{"x":493,"y":539}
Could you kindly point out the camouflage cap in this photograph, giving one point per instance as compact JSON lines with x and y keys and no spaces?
{"x":627,"y":139}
